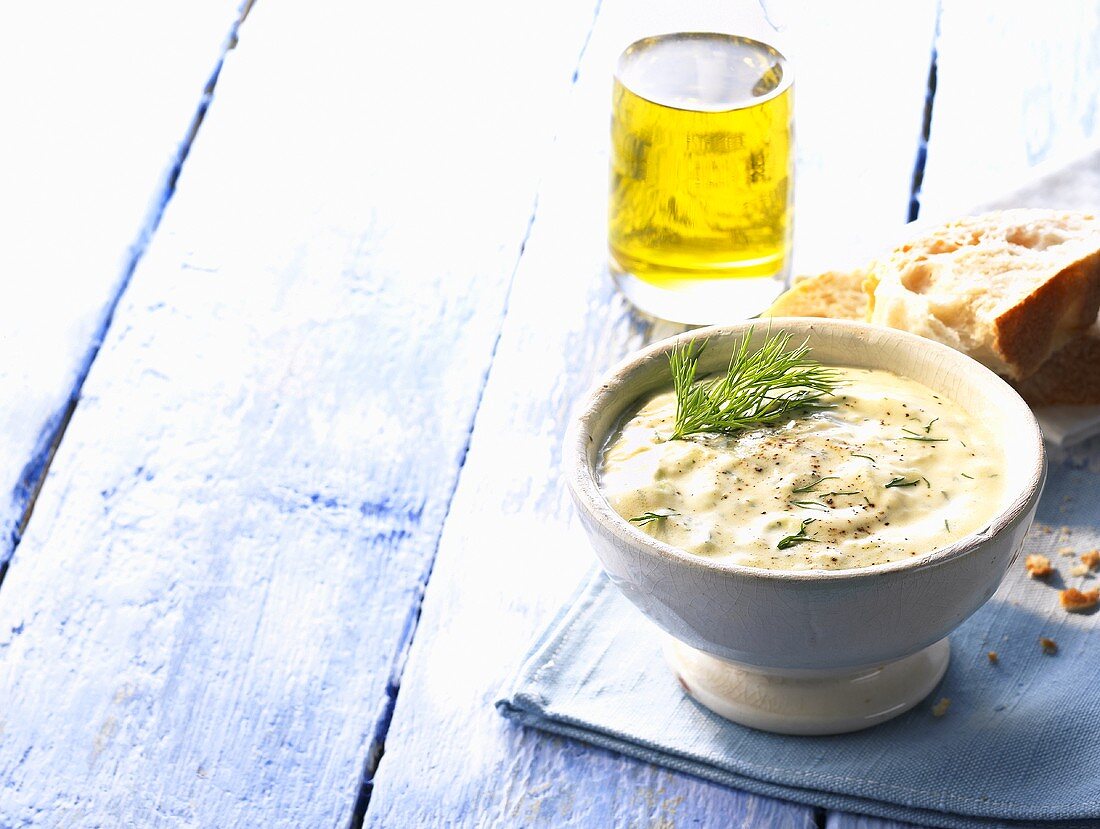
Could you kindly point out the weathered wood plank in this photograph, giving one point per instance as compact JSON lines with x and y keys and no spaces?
{"x":510,"y":552}
{"x":1001,"y":111}
{"x":99,"y":99}
{"x":860,"y":87}
{"x":204,"y":620}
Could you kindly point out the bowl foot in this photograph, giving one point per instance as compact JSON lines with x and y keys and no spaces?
{"x":809,"y":701}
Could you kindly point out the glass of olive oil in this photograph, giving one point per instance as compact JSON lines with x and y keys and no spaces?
{"x":701,"y":176}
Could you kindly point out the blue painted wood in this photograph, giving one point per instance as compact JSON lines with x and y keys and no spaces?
{"x":98,"y":109}
{"x":206,"y":622}
{"x":511,"y":552}
{"x":1003,"y":116}
{"x":206,"y":618}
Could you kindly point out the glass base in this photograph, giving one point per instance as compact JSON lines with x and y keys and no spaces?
{"x":704,"y":301}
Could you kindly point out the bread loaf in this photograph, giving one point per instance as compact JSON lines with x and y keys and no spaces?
{"x":1009,"y":288}
{"x":836,"y":294}
{"x":1070,"y":376}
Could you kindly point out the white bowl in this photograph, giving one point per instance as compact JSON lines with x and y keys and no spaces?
{"x":812,"y":651}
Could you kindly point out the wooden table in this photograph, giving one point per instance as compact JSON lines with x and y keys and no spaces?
{"x":283,"y":505}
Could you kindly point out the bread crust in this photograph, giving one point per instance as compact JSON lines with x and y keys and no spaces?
{"x":1062,"y":308}
{"x":1071,"y":377}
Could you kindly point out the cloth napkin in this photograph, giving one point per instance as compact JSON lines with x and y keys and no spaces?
{"x":1019,"y":745}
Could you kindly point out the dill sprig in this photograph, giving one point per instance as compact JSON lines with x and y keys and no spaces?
{"x":758,"y":388}
{"x":903,"y":482}
{"x":798,"y":537}
{"x":811,"y":505}
{"x":810,"y":487}
{"x":649,"y":517}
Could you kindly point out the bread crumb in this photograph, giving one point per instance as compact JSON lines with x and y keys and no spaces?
{"x":1079,"y":570}
{"x":993,"y":658}
{"x":940,"y":708}
{"x":1076,"y":601}
{"x":1049,"y":646}
{"x":1065,"y":551}
{"x":1091,"y":559}
{"x":1038,"y":566}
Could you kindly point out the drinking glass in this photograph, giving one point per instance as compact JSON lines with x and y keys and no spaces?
{"x":702,"y":167}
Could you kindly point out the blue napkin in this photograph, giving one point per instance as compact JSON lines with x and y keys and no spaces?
{"x":1019,"y":745}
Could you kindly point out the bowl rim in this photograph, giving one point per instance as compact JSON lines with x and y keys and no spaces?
{"x":581,"y":476}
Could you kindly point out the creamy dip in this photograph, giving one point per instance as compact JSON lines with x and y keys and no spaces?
{"x":889,"y":470}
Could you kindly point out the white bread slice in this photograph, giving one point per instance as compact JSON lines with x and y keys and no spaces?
{"x":836,"y":294}
{"x":1009,"y":288}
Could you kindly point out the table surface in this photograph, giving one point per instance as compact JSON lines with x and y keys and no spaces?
{"x":298,"y":298}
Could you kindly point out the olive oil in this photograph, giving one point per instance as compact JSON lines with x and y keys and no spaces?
{"x":701,"y":167}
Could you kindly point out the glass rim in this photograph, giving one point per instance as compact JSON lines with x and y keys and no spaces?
{"x":649,"y":40}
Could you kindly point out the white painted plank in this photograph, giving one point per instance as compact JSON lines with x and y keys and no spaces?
{"x":510,"y":552}
{"x":1018,"y":88}
{"x":861,"y":78}
{"x":98,"y":101}
{"x":204,"y":618}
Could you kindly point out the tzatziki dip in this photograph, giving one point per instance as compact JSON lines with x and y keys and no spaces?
{"x":883,"y":470}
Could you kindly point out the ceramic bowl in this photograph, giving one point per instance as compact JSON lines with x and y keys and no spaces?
{"x":813,"y":651}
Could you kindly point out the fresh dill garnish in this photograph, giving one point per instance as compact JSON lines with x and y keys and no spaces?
{"x":903,"y":482}
{"x":810,"y":505}
{"x":926,"y":482}
{"x":928,"y":428}
{"x":758,"y":387}
{"x":910,"y":431}
{"x":810,"y":487}
{"x":798,"y":537}
{"x":868,"y":457}
{"x":922,"y":439}
{"x":971,"y":477}
{"x":649,"y":517}
{"x":825,"y":495}
{"x":946,"y":526}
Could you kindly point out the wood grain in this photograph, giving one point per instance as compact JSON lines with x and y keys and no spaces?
{"x":1000,"y":113}
{"x":206,"y":619}
{"x":99,"y":100}
{"x":511,"y":552}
